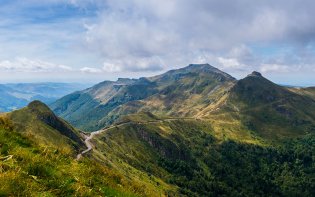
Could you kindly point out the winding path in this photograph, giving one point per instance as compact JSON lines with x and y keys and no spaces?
{"x":88,"y":139}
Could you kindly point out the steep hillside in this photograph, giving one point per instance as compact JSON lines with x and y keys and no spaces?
{"x":187,"y":157}
{"x":84,"y":109}
{"x":182,"y":92}
{"x":309,"y":91}
{"x":268,"y":109}
{"x":39,"y":123}
{"x":37,"y":158}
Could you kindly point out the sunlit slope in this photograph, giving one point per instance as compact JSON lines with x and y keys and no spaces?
{"x":253,"y":105}
{"x":182,"y":92}
{"x":27,"y":169}
{"x":40,"y":124}
{"x":188,"y":157}
{"x":269,"y":110}
{"x":309,"y":91}
{"x":37,"y":158}
{"x":86,"y":108}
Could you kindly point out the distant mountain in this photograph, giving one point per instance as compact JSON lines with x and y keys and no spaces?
{"x":15,"y":96}
{"x":9,"y":102}
{"x":85,"y":108}
{"x":181,"y":92}
{"x":270,"y":110}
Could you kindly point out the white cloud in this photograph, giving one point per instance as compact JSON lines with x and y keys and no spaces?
{"x":90,"y":70}
{"x":266,"y":68}
{"x":230,"y":63}
{"x":141,"y":29}
{"x":133,"y":64}
{"x":27,"y":65}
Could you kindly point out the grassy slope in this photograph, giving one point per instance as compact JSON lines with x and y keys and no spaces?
{"x":27,"y":169}
{"x":182,"y":92}
{"x":269,"y":110}
{"x":37,"y":158}
{"x":86,"y":108}
{"x":310,"y":91}
{"x":188,"y":157}
{"x":38,"y":122}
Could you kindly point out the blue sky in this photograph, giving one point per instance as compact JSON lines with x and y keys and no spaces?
{"x":96,"y":40}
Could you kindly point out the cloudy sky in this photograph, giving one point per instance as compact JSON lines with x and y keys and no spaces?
{"x":95,"y":40}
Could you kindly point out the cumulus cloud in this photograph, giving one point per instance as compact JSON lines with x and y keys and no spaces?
{"x":265,"y":68}
{"x":142,"y":29}
{"x":90,"y":70}
{"x":133,"y":64}
{"x":231,"y":63}
{"x":27,"y":65}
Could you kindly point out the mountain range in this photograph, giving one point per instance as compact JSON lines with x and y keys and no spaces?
{"x":196,"y":91}
{"x":180,"y":92}
{"x":194,"y":131}
{"x":17,"y":95}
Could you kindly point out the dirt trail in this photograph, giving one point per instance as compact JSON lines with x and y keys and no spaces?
{"x":88,"y":139}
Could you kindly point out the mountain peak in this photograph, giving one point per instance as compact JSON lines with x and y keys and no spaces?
{"x":255,"y":74}
{"x":125,"y":80}
{"x":38,"y":106}
{"x":43,"y":114}
{"x":204,"y":68}
{"x":200,"y":67}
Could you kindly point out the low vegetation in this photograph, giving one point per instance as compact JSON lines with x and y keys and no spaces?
{"x":31,"y":168}
{"x":184,"y":157}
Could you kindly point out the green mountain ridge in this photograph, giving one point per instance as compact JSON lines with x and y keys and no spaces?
{"x":43,"y":126}
{"x":266,"y":107}
{"x":192,"y":87}
{"x":84,"y":109}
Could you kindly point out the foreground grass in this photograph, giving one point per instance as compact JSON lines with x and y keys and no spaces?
{"x":29,"y":170}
